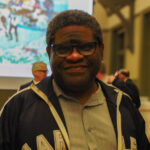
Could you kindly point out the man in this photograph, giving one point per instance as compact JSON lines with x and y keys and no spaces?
{"x":39,"y":71}
{"x":72,"y":109}
{"x":123,"y":82}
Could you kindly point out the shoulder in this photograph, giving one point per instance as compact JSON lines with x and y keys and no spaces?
{"x":131,"y":84}
{"x":126,"y":103}
{"x":110,"y":89}
{"x":16,"y":101}
{"x":111,"y":93}
{"x":25,"y":85}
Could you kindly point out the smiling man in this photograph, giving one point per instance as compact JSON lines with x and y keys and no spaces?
{"x":75,"y":58}
{"x":72,"y":110}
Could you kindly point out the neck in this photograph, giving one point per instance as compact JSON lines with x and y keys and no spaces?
{"x":126,"y":79}
{"x":36,"y":79}
{"x":83,"y":95}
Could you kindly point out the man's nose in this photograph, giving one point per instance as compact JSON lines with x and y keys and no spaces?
{"x":75,"y":55}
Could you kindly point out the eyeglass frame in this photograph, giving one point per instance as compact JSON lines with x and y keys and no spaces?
{"x":72,"y":46}
{"x":44,"y":71}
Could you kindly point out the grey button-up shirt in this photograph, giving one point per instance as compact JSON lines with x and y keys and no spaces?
{"x":89,"y":125}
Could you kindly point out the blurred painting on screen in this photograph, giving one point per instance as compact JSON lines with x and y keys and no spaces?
{"x":23,"y":26}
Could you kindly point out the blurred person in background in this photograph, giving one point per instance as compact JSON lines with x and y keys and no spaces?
{"x":39,"y":71}
{"x":122,"y":80}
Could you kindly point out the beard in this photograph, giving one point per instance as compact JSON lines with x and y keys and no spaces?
{"x":75,"y":83}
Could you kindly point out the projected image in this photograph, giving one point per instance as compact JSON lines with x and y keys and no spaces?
{"x":23,"y":26}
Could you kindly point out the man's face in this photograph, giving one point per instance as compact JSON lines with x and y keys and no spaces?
{"x":122,"y":76}
{"x":75,"y":71}
{"x":40,"y":74}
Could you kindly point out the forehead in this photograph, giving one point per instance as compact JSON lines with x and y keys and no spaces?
{"x":40,"y":66}
{"x":74,"y":33}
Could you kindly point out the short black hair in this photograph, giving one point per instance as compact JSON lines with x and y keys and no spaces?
{"x":73,"y":17}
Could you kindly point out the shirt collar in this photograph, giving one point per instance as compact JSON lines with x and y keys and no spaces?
{"x":35,"y":82}
{"x":57,"y":90}
{"x":96,"y":99}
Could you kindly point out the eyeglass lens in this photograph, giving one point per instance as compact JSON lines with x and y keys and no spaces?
{"x":64,"y":50}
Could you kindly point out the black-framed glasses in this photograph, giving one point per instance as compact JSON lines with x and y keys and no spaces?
{"x":44,"y":71}
{"x":64,"y":50}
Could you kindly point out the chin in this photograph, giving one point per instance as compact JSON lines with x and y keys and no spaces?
{"x":76,"y":82}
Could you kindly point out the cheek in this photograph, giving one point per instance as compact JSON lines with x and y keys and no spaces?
{"x":97,"y":60}
{"x":55,"y":64}
{"x":52,"y":61}
{"x":121,"y":77}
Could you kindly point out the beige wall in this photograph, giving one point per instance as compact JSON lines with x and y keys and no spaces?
{"x":101,"y":16}
{"x":4,"y":95}
{"x":132,"y":60}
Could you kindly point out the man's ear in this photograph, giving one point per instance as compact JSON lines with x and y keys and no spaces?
{"x":48,"y":49}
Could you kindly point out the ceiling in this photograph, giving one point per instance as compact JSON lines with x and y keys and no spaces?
{"x":112,"y":6}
